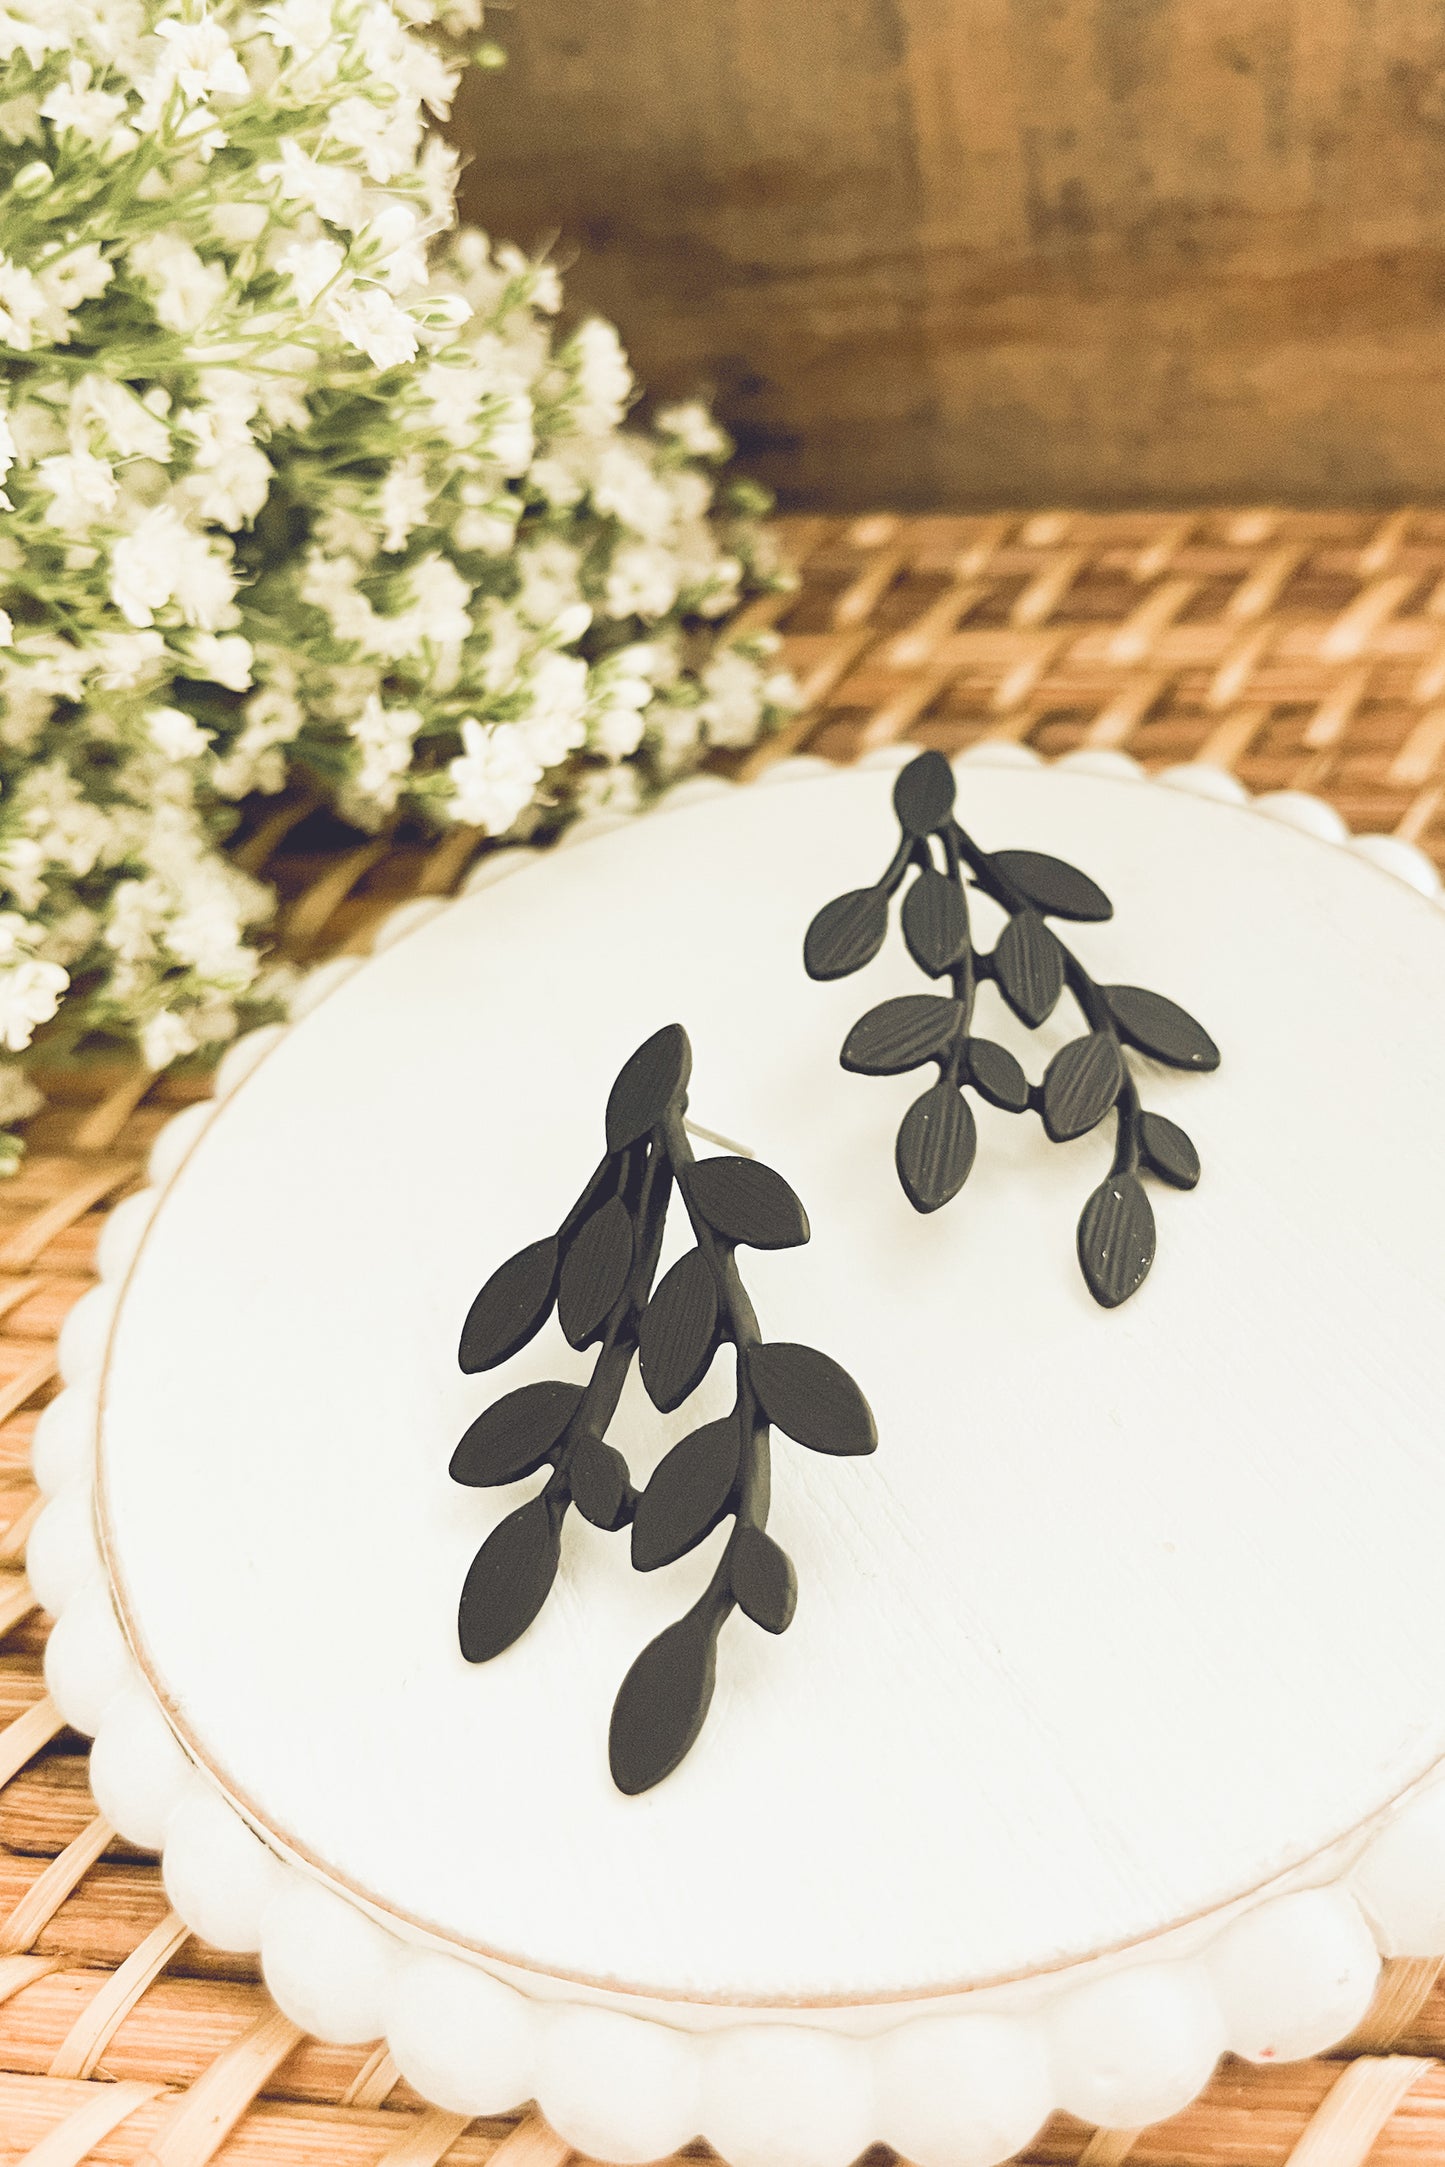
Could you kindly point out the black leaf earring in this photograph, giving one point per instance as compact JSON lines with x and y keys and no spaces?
{"x":1031,"y":967}
{"x":598,"y":1271}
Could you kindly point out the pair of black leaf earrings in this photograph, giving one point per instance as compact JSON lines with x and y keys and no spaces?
{"x":598,"y":1269}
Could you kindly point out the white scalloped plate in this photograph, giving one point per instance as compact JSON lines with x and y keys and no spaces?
{"x":1271,"y":1949}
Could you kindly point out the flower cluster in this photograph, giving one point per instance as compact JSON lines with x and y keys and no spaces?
{"x":302,"y":485}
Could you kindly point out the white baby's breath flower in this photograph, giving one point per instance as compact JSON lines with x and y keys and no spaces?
{"x":278,"y":340}
{"x":231,"y":475}
{"x":18,"y":936}
{"x":311,"y":266}
{"x":494,"y":777}
{"x":641,"y":582}
{"x":123,"y":660}
{"x":77,"y":109}
{"x":334,"y":192}
{"x":694,"y":429}
{"x":19,"y":1098}
{"x":185,"y":291}
{"x":178,"y":735}
{"x":227,"y":660}
{"x":510,"y":436}
{"x":131,"y":431}
{"x":386,"y":736}
{"x":23,"y":306}
{"x":608,"y":790}
{"x":490,"y":532}
{"x":391,"y":247}
{"x":604,"y":381}
{"x":370,"y":320}
{"x":553,"y":727}
{"x":625,"y":486}
{"x":167,"y":1037}
{"x":440,"y":609}
{"x":163,"y":560}
{"x":300,"y":25}
{"x":616,"y":732}
{"x":403,"y":501}
{"x":733,"y":699}
{"x":201,"y":60}
{"x":82,"y":489}
{"x":29,"y":996}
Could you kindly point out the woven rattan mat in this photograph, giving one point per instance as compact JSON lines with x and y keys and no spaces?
{"x":1303,"y":651}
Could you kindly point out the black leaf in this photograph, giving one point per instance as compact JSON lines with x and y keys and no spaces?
{"x":515,"y":1435}
{"x":811,"y":1398}
{"x":595,"y":1271}
{"x":1029,"y":966}
{"x":512,"y":1307}
{"x":1168,"y":1152}
{"x":663,"y":1701}
{"x":901,"y":1034}
{"x":761,"y":1575}
{"x":509,"y":1581}
{"x":647,"y":1084}
{"x":924,"y":793}
{"x":935,"y":922}
{"x":601,"y":1486}
{"x":936,"y":1143}
{"x":1081,"y":1083}
{"x":678,"y":1332}
{"x":746,"y":1202}
{"x":998,"y":1075}
{"x":1116,"y":1239}
{"x":1052,"y":886}
{"x":846,"y":934}
{"x":1161,"y":1027}
{"x":689,"y":1493}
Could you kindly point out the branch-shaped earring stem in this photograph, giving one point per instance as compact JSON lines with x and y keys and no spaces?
{"x":598,"y":1272}
{"x":1085,"y":1080}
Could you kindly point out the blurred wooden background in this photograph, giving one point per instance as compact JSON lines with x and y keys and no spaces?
{"x":975,"y":252}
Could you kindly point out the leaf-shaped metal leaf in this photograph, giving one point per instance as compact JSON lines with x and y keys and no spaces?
{"x":936,"y":1144}
{"x":846,"y":934}
{"x":647,"y":1084}
{"x":678,"y":1333}
{"x":663,"y":1701}
{"x":1161,"y":1028}
{"x":515,"y":1435}
{"x":811,"y":1398}
{"x":601,"y":1486}
{"x":594,"y":1271}
{"x":510,"y":1578}
{"x":1052,"y":886}
{"x":1168,"y":1151}
{"x":690,"y":1491}
{"x":762,"y":1578}
{"x":924,"y":793}
{"x":1081,"y":1083}
{"x":1029,"y":966}
{"x":1116,"y":1239}
{"x":746,"y":1202}
{"x":512,"y":1307}
{"x":901,"y":1034}
{"x":935,"y":922}
{"x":998,"y":1075}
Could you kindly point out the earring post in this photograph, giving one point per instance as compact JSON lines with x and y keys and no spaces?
{"x":711,"y":1136}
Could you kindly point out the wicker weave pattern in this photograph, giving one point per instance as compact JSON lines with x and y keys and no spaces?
{"x":1306,"y":653}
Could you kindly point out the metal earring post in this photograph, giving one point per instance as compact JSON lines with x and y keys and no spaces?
{"x":710,"y":1136}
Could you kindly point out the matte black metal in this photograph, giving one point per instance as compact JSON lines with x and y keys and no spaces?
{"x":1084,"y":1082}
{"x":598,"y":1270}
